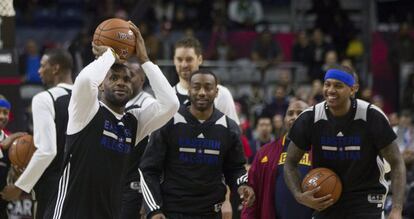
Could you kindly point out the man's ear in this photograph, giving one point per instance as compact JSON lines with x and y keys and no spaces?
{"x":200,"y":59}
{"x":56,"y":69}
{"x":100,"y":88}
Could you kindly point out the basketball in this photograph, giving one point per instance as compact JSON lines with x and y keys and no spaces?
{"x":21,"y":151}
{"x":116,"y":34}
{"x":326,"y":179}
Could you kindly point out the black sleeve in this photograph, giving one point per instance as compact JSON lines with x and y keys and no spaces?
{"x":233,"y":165}
{"x":300,"y":133}
{"x":380,"y":130}
{"x":151,"y":168}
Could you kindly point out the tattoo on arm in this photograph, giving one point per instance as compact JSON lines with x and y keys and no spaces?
{"x":291,"y":172}
{"x":392,"y":154}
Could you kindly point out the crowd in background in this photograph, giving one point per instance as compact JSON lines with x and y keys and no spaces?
{"x":333,"y":40}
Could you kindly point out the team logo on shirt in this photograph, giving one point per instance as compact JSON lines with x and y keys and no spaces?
{"x":341,"y":147}
{"x":199,"y":150}
{"x":116,"y":137}
{"x":304,"y":161}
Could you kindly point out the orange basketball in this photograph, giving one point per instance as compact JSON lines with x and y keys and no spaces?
{"x":21,"y":151}
{"x":326,"y":179}
{"x":116,"y":34}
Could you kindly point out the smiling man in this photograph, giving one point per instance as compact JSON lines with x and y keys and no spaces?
{"x":187,"y":59}
{"x":193,"y":152}
{"x":348,"y":136}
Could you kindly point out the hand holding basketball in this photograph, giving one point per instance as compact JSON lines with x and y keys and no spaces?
{"x":116,"y":34}
{"x":308,"y":199}
{"x":6,"y":143}
{"x":11,"y":193}
{"x":21,"y":151}
{"x":321,"y":188}
{"x":99,"y":50}
{"x":140,"y":50}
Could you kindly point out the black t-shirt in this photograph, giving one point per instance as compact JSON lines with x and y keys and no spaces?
{"x":350,"y":147}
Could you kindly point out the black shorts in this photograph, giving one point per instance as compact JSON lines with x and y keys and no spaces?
{"x":44,"y":190}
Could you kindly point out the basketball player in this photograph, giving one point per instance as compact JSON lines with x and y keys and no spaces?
{"x":187,"y":59}
{"x":5,"y":142}
{"x":348,"y":136}
{"x":193,"y":152}
{"x":273,"y":198}
{"x":100,"y":136}
{"x":132,"y":194}
{"x":50,"y":117}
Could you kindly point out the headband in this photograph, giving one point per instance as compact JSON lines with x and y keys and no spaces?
{"x":5,"y":104}
{"x":339,"y":75}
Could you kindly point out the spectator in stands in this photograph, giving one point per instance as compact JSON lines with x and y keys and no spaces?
{"x":278,"y":128}
{"x":278,"y":104}
{"x":394,"y":120}
{"x":245,"y":128}
{"x":331,"y":59}
{"x":29,"y":63}
{"x":285,"y":79}
{"x":319,"y":48}
{"x":80,"y":48}
{"x":219,"y":47}
{"x":316,"y":93}
{"x":166,"y":40}
{"x":6,"y":141}
{"x":245,"y":13}
{"x":325,"y":11}
{"x":263,"y":135}
{"x":266,"y":51}
{"x":273,"y":199}
{"x":408,"y":94}
{"x":405,"y":131}
{"x":403,"y":48}
{"x":152,"y":42}
{"x":355,"y":47}
{"x":348,"y":63}
{"x":366,"y":94}
{"x":301,"y":51}
{"x":192,"y":13}
{"x":378,"y":101}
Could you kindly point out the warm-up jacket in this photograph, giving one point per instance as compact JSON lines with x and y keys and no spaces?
{"x":188,"y":162}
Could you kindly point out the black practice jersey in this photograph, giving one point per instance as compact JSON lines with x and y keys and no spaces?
{"x":61,"y":97}
{"x":95,"y":162}
{"x":349,"y":146}
{"x":193,"y":157}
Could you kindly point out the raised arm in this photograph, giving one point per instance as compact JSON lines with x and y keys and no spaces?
{"x":84,"y":103}
{"x":392,"y":154}
{"x":166,"y":105}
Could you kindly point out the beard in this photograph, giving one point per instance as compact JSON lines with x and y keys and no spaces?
{"x":201,"y":107}
{"x":116,"y":100}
